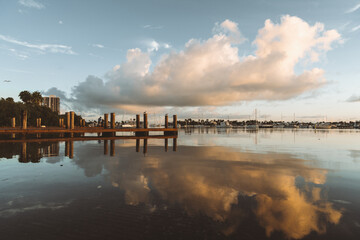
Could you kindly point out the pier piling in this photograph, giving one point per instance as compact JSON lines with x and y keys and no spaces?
{"x":13,"y":122}
{"x":38,"y":122}
{"x":145,"y":125}
{"x":145,"y":120}
{"x":137,"y":121}
{"x":68,"y":120}
{"x":13,"y":126}
{"x":174,"y":121}
{"x":24,"y":119}
{"x":112,"y":119}
{"x":72,"y":120}
{"x":106,"y":120}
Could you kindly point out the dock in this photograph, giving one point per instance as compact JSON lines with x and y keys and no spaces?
{"x":35,"y":130}
{"x":67,"y":127}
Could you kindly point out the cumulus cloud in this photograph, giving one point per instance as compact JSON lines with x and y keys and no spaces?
{"x":230,"y":28}
{"x":31,"y":4}
{"x":52,"y":48}
{"x":211,"y":73}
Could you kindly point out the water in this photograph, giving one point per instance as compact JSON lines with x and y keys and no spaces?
{"x":213,"y":184}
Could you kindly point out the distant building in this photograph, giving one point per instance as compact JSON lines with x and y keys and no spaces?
{"x":52,"y":102}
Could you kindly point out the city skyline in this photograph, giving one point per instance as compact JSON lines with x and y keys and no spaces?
{"x":206,"y":59}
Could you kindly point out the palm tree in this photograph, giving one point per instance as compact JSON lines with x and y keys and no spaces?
{"x":25,"y":96}
{"x":36,"y":98}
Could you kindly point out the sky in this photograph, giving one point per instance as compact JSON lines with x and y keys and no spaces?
{"x":287,"y":59}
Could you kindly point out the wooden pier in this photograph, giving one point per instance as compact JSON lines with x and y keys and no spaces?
{"x":105,"y":130}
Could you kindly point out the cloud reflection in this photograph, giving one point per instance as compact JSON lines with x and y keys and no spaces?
{"x":287,"y":194}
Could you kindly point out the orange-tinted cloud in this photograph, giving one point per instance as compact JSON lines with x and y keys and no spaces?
{"x":211,"y":72}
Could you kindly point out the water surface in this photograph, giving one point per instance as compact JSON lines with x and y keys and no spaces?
{"x":207,"y":184}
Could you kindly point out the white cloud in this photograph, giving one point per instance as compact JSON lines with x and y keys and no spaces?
{"x":355,"y":28}
{"x":20,"y":55}
{"x":154,"y":46}
{"x":211,"y":73}
{"x":231,"y":26}
{"x":31,"y":4}
{"x":353,"y":9}
{"x":152,"y":27}
{"x":231,"y":29}
{"x":53,"y":48}
{"x":60,"y":22}
{"x":97,"y":45}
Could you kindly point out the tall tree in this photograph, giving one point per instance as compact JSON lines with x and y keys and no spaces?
{"x":25,"y":96}
{"x":36,"y":98}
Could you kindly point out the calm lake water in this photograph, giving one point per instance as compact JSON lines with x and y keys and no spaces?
{"x":218,"y":184}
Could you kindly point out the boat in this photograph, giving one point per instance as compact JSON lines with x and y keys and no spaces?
{"x":252,"y":127}
{"x":323,"y":126}
{"x":225,"y":124}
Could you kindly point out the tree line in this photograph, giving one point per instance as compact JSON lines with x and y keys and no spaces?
{"x":31,"y":102}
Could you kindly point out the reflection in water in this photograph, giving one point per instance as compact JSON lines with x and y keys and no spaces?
{"x":112,"y":148}
{"x":254,"y":190}
{"x":29,"y":152}
{"x":287,"y":195}
{"x":145,"y":146}
{"x":69,"y":149}
{"x":174,"y":144}
{"x":105,"y":147}
{"x":137,"y":145}
{"x":34,"y":151}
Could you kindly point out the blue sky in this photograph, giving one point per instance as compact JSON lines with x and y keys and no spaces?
{"x":75,"y":45}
